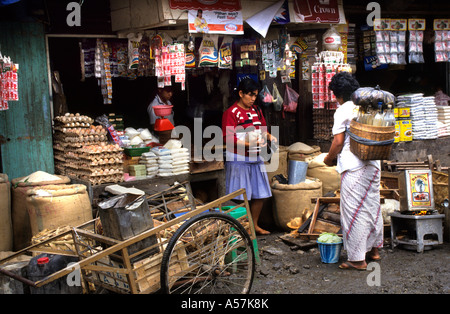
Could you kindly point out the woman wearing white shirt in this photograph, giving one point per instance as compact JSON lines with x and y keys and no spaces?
{"x":361,"y":219}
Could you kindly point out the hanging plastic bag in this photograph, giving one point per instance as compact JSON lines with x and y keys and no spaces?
{"x":277,"y":100}
{"x":290,"y":100}
{"x":265,"y":97}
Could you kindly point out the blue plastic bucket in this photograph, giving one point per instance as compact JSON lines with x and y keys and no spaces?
{"x":297,"y":171}
{"x":330,"y":252}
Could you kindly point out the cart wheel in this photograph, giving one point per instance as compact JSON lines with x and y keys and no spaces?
{"x":210,"y":253}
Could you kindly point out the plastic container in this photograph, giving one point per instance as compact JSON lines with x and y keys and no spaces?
{"x":330,"y":252}
{"x":163,"y":110}
{"x":45,"y":265}
{"x":136,"y":152}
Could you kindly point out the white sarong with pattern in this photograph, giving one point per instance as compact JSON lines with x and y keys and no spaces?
{"x":361,"y":219}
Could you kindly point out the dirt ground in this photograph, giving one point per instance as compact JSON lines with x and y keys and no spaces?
{"x":286,"y":269}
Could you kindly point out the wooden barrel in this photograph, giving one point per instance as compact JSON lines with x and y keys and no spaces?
{"x":379,"y":141}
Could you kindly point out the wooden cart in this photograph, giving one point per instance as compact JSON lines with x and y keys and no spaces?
{"x":197,"y":249}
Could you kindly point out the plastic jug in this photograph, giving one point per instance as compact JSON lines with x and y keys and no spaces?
{"x":45,"y":265}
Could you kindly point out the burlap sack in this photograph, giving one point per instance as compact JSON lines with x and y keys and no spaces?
{"x":53,"y":206}
{"x":303,"y":148}
{"x":19,"y":214}
{"x":302,"y":152}
{"x":330,"y":178}
{"x":294,"y":200}
{"x":6,"y":231}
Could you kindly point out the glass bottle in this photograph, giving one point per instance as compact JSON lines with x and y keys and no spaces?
{"x":389,"y":118}
{"x":368,"y":116}
{"x":378,"y":119}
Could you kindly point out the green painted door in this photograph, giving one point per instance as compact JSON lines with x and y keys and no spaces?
{"x":26,"y":128}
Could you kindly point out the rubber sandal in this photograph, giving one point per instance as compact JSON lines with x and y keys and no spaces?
{"x":349,"y":266}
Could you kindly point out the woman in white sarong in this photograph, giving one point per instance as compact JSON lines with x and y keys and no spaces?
{"x":361,"y":219}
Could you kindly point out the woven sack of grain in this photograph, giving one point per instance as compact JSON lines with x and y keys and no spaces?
{"x":294,"y":200}
{"x":20,"y":218}
{"x":330,"y":178}
{"x":302,"y":152}
{"x":53,"y":206}
{"x":6,"y":233}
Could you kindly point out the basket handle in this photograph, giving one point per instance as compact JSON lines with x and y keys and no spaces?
{"x":368,"y":142}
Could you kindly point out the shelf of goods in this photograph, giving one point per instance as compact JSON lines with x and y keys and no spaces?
{"x":81,"y":150}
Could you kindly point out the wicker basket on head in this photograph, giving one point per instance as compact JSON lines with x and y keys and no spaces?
{"x":370,"y":142}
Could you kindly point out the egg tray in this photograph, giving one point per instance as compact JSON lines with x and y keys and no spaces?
{"x":71,"y":117}
{"x":77,"y":131}
{"x":76,"y":164}
{"x":101,"y":149}
{"x":103,"y":179}
{"x":60,"y":125}
{"x":95,"y":171}
{"x":73,"y":145}
{"x":81,"y":139}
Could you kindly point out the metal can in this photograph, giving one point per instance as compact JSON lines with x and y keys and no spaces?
{"x":404,"y":112}
{"x":405,"y":130}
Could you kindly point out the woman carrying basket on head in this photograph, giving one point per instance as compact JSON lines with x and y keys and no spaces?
{"x":361,"y":219}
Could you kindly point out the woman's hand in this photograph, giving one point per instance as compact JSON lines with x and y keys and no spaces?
{"x":269,"y":138}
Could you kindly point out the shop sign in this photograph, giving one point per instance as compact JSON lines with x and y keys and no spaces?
{"x":215,"y":22}
{"x":220,"y":5}
{"x":318,"y":11}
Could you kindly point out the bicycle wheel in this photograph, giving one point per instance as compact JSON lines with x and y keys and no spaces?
{"x":210,"y":253}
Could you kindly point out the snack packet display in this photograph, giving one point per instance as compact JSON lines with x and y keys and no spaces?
{"x":8,"y":83}
{"x":441,"y":39}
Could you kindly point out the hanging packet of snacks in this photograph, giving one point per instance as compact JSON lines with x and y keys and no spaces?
{"x":133,"y":50}
{"x":189,"y":54}
{"x":102,"y":61}
{"x":8,"y":82}
{"x":442,"y":40}
{"x":269,"y":50}
{"x":416,"y":29}
{"x":144,"y":56}
{"x":328,"y":64}
{"x":177,"y":62}
{"x":208,"y":51}
{"x":226,"y":53}
{"x":390,"y":43}
{"x":122,"y":59}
